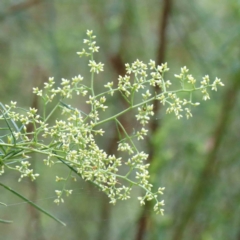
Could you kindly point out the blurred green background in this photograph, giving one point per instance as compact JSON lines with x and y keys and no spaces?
{"x":197,"y":160}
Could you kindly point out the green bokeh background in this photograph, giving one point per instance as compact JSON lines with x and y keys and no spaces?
{"x":39,"y":39}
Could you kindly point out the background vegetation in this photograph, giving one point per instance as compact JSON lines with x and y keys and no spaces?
{"x":197,"y":160}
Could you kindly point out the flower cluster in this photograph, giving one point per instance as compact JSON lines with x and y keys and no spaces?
{"x":25,"y":171}
{"x":72,"y":139}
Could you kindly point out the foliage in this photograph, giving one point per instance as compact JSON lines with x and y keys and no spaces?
{"x":72,"y":140}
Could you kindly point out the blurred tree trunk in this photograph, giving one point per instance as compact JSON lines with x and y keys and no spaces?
{"x":4,"y":61}
{"x":145,"y":218}
{"x":33,"y":228}
{"x":19,"y":7}
{"x":118,"y":65}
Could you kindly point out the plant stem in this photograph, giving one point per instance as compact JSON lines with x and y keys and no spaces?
{"x":33,"y":204}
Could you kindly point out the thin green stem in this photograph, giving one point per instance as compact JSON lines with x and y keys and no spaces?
{"x":5,"y":221}
{"x":130,"y":181}
{"x":65,"y":181}
{"x":28,"y":149}
{"x":127,"y":136}
{"x":32,"y":203}
{"x":50,"y":114}
{"x":142,"y":103}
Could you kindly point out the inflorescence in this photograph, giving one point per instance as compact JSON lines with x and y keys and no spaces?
{"x":72,"y":140}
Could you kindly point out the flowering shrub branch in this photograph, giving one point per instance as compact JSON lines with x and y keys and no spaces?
{"x":71,"y":140}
